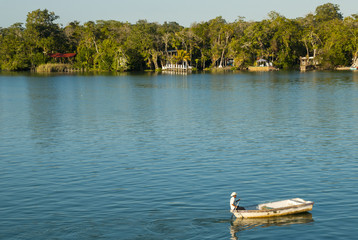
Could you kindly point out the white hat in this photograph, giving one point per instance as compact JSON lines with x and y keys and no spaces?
{"x":233,"y":194}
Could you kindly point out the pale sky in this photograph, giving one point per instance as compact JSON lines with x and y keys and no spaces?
{"x":184,"y":12}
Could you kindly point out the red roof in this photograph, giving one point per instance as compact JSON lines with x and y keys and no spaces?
{"x":59,"y":55}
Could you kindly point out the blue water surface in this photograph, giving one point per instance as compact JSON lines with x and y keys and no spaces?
{"x":156,"y":156}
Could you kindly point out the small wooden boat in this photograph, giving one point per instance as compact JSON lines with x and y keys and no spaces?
{"x":279,"y":208}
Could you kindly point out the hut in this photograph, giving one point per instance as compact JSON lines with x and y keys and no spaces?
{"x":309,"y":63}
{"x":62,"y":56}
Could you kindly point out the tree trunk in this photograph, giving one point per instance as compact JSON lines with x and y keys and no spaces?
{"x":355,"y":59}
{"x":155,"y":59}
{"x":227,"y":36}
{"x":308,"y":53}
{"x":222,"y":57}
{"x":95,"y":44}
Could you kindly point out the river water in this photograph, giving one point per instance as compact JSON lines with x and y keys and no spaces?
{"x":145,"y":156}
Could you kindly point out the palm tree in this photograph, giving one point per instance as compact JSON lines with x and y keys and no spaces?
{"x":182,"y":57}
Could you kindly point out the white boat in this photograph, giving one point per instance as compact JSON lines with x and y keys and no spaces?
{"x":279,"y":208}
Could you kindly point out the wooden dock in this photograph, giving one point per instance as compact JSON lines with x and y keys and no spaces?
{"x":177,"y":68}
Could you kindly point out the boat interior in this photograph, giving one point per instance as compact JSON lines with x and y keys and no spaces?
{"x":281,"y":204}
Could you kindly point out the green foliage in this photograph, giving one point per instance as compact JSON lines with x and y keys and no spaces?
{"x":337,"y":49}
{"x":110,"y":57}
{"x":42,"y":35}
{"x":13,"y":49}
{"x":328,"y":12}
{"x":118,"y":46}
{"x":182,"y":56}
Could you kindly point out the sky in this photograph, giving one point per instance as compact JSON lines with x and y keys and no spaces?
{"x":184,"y":12}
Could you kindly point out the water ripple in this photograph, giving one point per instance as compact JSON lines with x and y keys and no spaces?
{"x":157,"y":157}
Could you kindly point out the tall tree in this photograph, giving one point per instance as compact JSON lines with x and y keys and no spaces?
{"x":202,"y":42}
{"x":219,"y":36}
{"x":88,"y":46}
{"x":12,"y":48}
{"x":327,"y":12}
{"x":43,"y":35}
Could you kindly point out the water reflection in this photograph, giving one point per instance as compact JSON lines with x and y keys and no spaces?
{"x":44,"y":110}
{"x":239,"y":225}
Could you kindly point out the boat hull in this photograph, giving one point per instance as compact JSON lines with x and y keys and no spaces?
{"x":280,"y":208}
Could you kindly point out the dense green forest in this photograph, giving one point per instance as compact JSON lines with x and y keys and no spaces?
{"x":122,"y":46}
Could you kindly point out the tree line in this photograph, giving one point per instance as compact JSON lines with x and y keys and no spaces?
{"x":122,"y":46}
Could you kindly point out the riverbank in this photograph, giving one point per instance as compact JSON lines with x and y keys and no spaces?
{"x":56,"y":67}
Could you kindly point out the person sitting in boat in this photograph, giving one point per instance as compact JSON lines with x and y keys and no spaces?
{"x":234,"y":204}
